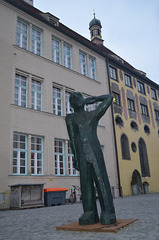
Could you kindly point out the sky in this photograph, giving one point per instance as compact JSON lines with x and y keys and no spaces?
{"x":130,"y":28}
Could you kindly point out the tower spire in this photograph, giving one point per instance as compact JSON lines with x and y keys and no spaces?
{"x":95,"y":30}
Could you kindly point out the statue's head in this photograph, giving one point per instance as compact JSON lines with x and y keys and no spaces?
{"x":77,"y":100}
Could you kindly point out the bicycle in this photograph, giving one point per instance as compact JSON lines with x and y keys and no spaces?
{"x":73,"y":196}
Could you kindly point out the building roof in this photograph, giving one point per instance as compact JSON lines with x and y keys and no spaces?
{"x":95,"y":21}
{"x":100,"y":49}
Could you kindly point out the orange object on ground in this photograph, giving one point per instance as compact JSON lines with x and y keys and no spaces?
{"x":55,"y":189}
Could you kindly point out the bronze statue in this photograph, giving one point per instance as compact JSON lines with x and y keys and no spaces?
{"x":88,"y":158}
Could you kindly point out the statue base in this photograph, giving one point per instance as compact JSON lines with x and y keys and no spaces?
{"x":98,"y":227}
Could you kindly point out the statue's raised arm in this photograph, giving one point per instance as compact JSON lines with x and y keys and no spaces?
{"x":105,"y":100}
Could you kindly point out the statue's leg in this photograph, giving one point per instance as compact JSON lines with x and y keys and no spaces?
{"x":90,"y":215}
{"x":104,"y":193}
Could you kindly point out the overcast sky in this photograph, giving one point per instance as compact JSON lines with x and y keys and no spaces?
{"x":130,"y":28}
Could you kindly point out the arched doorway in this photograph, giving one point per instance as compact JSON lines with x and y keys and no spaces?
{"x":143,"y":158}
{"x":136,"y":178}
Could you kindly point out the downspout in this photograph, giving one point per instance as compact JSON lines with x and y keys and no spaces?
{"x":116,"y":152}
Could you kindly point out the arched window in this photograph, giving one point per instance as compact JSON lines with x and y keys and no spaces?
{"x":125,"y":147}
{"x":143,"y":158}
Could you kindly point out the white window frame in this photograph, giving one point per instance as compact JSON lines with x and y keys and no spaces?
{"x":56,"y":50}
{"x":92,"y":67}
{"x":153,"y":94}
{"x":69,"y":109}
{"x":128,"y":81}
{"x":34,"y":95}
{"x":131,"y":104}
{"x":20,"y":88}
{"x":112,"y":73}
{"x":21,"y":36}
{"x":72,"y":171}
{"x":117,"y":98}
{"x":156,"y":114}
{"x":83,"y":63}
{"x":59,"y":157}
{"x":36,"y":150}
{"x":67,"y":56}
{"x":140,"y":87}
{"x":17,"y":151}
{"x":144,"y":109}
{"x":57,"y":101}
{"x":36,"y":41}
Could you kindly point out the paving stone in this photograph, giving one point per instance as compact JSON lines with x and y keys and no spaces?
{"x":41,"y":223}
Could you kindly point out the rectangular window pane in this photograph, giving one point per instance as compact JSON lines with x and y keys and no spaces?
{"x":72,"y":170}
{"x":19,"y":153}
{"x":56,"y":51}
{"x":131,"y":105}
{"x":112,"y":73}
{"x":36,"y":95}
{"x":36,"y":155}
{"x":20,"y":94}
{"x":157,"y":115}
{"x":116,"y":98}
{"x":92,"y":68}
{"x":153,"y":94}
{"x":144,"y":109}
{"x":67,"y":56}
{"x":141,"y":87}
{"x":59,"y":157}
{"x":83,"y":64}
{"x":36,"y":41}
{"x":69,"y":109}
{"x":57,"y":101}
{"x":22,"y":34}
{"x":128,"y":81}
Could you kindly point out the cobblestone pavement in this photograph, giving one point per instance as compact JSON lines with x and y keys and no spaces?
{"x":40,"y":223}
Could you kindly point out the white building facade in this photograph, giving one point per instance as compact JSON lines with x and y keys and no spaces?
{"x":41,"y":63}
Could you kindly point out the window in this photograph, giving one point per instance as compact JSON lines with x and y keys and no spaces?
{"x":144,"y":163}
{"x":22,"y":34}
{"x":128,"y":81}
{"x":144,"y":110}
{"x":59,"y":157}
{"x":69,"y":109}
{"x":87,"y":108}
{"x":67,"y":56}
{"x":153,"y":93}
{"x":94,"y":107}
{"x":116,"y":98}
{"x":71,"y":169}
{"x":36,"y":155}
{"x":157,"y":115}
{"x":125,"y":147}
{"x":57,"y":101}
{"x":83,"y":64}
{"x":131,"y":105}
{"x":112,"y":72}
{"x":141,"y":87}
{"x":20,"y":97}
{"x":19,"y":154}
{"x":36,"y":41}
{"x":36,"y":95}
{"x":92,"y":68}
{"x":56,"y":51}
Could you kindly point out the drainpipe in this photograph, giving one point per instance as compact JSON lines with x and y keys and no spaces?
{"x":116,"y":152}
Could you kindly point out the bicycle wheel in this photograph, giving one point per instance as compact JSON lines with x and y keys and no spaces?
{"x":72,"y":198}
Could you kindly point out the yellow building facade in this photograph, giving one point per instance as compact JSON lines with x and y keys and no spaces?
{"x":136,"y":125}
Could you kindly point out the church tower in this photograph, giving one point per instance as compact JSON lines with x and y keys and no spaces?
{"x":95,"y":31}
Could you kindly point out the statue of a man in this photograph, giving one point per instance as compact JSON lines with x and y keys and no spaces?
{"x":88,"y":158}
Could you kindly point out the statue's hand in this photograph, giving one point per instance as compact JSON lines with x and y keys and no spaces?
{"x":75,"y":164}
